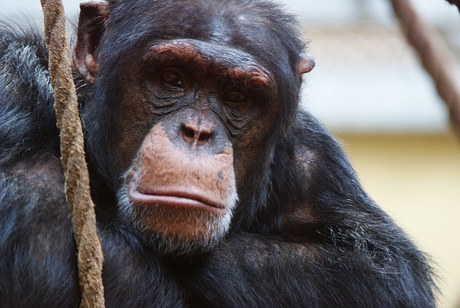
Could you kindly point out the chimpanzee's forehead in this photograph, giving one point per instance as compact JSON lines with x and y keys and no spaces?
{"x":244,"y":26}
{"x":203,"y":20}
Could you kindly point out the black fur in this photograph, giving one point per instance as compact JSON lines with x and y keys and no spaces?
{"x":455,"y":2}
{"x":338,"y":249}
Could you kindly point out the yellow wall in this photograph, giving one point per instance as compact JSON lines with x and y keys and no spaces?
{"x":416,"y":179}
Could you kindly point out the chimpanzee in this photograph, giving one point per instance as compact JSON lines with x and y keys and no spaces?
{"x":212,"y":187}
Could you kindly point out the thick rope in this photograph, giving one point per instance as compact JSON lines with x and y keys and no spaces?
{"x":431,"y":57}
{"x":89,"y":253}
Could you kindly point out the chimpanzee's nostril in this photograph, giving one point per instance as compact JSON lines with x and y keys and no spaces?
{"x":204,"y":137}
{"x":188,"y":133}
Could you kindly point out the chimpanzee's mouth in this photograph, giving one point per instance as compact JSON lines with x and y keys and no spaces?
{"x":179,"y":198}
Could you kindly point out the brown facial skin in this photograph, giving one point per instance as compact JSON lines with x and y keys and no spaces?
{"x":181,"y":186}
{"x":194,"y":101}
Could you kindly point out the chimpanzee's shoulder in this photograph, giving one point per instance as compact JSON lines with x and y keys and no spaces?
{"x":27,"y":120}
{"x":310,"y":132}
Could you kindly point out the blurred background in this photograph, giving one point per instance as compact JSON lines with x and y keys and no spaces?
{"x":370,"y":91}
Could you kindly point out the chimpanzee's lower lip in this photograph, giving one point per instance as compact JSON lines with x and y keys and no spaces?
{"x":174,"y":198}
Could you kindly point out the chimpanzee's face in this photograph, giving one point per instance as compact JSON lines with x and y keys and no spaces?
{"x":200,"y":104}
{"x":194,"y":113}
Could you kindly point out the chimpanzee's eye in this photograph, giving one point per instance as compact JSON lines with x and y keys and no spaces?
{"x":234,"y":95}
{"x":172,"y":78}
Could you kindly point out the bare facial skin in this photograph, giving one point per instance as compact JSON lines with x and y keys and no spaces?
{"x":182,"y":201}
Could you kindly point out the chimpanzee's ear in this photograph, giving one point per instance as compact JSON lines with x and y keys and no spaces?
{"x":306,"y":64}
{"x":91,"y":26}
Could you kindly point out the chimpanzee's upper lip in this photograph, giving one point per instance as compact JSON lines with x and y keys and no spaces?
{"x":173,"y":197}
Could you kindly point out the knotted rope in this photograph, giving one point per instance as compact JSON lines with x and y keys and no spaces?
{"x":89,"y":252}
{"x":431,"y":57}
